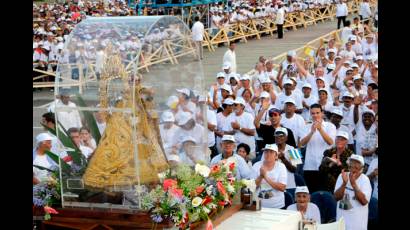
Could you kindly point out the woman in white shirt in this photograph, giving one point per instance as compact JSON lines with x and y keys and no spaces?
{"x":308,"y":210}
{"x":271,"y":178}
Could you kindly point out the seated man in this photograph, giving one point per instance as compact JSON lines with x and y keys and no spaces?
{"x":271,"y":176}
{"x":228,"y":146}
{"x":41,"y":159}
{"x":309,"y":211}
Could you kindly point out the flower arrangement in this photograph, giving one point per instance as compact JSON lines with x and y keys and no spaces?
{"x":191,"y":195}
{"x":46,"y":194}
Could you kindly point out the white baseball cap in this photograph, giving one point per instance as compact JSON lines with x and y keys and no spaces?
{"x":280,"y":130}
{"x":172,"y":102}
{"x":331,"y":66}
{"x":354,"y":65}
{"x":343,"y":134}
{"x":292,"y":53}
{"x":184,"y":117}
{"x":167,"y":117}
{"x":188,"y":138}
{"x":228,"y":101}
{"x":220,"y":74}
{"x":331,"y":51}
{"x":43,"y":137}
{"x":352,"y":38}
{"x":290,"y":100}
{"x":338,"y":57}
{"x":356,"y":158}
{"x":240,"y":100}
{"x":265,"y":80}
{"x":184,"y":91}
{"x":368,"y":111}
{"x":264,"y":94}
{"x":245,"y":77}
{"x":347,"y":94}
{"x":173,"y":157}
{"x":307,"y":85}
{"x":301,"y":189}
{"x":321,"y":78}
{"x":337,"y":112}
{"x":228,"y":138}
{"x":359,"y":57}
{"x":273,"y":147}
{"x":346,"y":62}
{"x":357,"y":77}
{"x":226,"y":87}
{"x":226,"y":65}
{"x":288,"y":81}
{"x":323,"y":89}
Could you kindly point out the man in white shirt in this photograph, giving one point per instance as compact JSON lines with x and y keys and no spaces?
{"x":308,"y":99}
{"x":309,"y":210}
{"x":347,"y":110}
{"x":40,"y":158}
{"x":353,"y":192}
{"x":288,"y":93}
{"x":230,"y":56}
{"x":168,"y":130}
{"x":228,"y":153}
{"x":366,"y":136}
{"x":341,"y":13}
{"x":292,"y":120}
{"x":365,"y":11}
{"x":243,"y":125}
{"x":198,"y":36}
{"x":318,"y":137}
{"x":67,"y":113}
{"x":336,"y":118}
{"x":280,"y":19}
{"x":369,"y":47}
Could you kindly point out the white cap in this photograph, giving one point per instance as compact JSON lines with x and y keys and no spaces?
{"x":265,"y":80}
{"x":245,"y":77}
{"x":172,"y":102}
{"x":188,"y":138}
{"x":273,"y":147}
{"x":184,"y":117}
{"x":338,"y":57}
{"x":43,"y":137}
{"x":240,"y":100}
{"x":331,"y":66}
{"x":346,"y":62}
{"x":264,"y":94}
{"x":202,"y":98}
{"x":343,"y":134}
{"x":357,"y":77}
{"x":292,"y":53}
{"x":228,"y":101}
{"x":220,"y":74}
{"x":337,"y":112}
{"x":307,"y":85}
{"x":354,"y":65}
{"x":280,"y":130}
{"x":228,"y":138}
{"x":226,"y":65}
{"x":226,"y":87}
{"x":321,"y":78}
{"x":368,"y":111}
{"x":347,"y":94}
{"x":184,"y":91}
{"x":357,"y":158}
{"x":234,"y":75}
{"x":290,"y":100}
{"x":360,"y":57}
{"x":331,"y":51}
{"x":352,"y":38}
{"x":301,"y":189}
{"x":324,"y":90}
{"x":167,"y":117}
{"x":288,"y":81}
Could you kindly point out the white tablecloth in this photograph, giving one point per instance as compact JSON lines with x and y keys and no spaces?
{"x":267,"y":218}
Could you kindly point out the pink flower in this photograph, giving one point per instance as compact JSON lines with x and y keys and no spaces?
{"x":206,"y":200}
{"x":221,"y":188}
{"x":50,"y":210}
{"x":221,"y":203}
{"x":232,"y":166}
{"x":177,"y":193}
{"x":215,"y":169}
{"x":199,"y":189}
{"x":169,"y":183}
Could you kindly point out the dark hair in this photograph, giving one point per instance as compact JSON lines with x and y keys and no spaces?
{"x":355,"y":18}
{"x":196,"y":18}
{"x":245,"y":146}
{"x":246,"y":90}
{"x":373,"y":86}
{"x":85,"y":128}
{"x":72,"y":130}
{"x":347,"y":23}
{"x":316,"y":106}
{"x":49,"y":117}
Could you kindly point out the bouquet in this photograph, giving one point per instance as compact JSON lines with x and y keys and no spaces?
{"x":46,"y":194}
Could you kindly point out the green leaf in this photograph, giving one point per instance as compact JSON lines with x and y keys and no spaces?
{"x":47,"y":216}
{"x":43,"y":168}
{"x":78,"y":157}
{"x":90,"y":120}
{"x":64,"y":166}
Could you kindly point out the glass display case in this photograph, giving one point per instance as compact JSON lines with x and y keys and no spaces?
{"x":130,"y":103}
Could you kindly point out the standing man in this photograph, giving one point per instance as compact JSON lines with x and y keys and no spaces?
{"x":364,"y":10}
{"x":198,"y":36}
{"x":67,"y":113}
{"x":280,"y":19}
{"x":341,"y":13}
{"x":230,"y":57}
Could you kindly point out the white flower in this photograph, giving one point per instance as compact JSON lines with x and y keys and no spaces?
{"x":206,"y":210}
{"x":196,"y":201}
{"x":212,"y":205}
{"x":230,"y":188}
{"x":209,"y":190}
{"x":202,"y":170}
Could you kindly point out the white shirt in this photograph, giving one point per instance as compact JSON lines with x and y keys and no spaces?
{"x":280,"y":16}
{"x":345,"y":33}
{"x":211,"y":119}
{"x":68,"y":119}
{"x":215,"y":21}
{"x":281,"y":98}
{"x":296,"y":123}
{"x":167,"y":136}
{"x":198,"y":31}
{"x":374,"y":165}
{"x":357,"y":217}
{"x":349,"y":54}
{"x":277,"y":174}
{"x":230,"y":57}
{"x":317,"y":145}
{"x":341,"y":10}
{"x":364,"y":10}
{"x":366,"y":139}
{"x":41,"y":160}
{"x":99,"y":61}
{"x":348,"y":116}
{"x":86,"y":151}
{"x":291,"y":176}
{"x":197,"y":133}
{"x":369,"y":50}
{"x":245,"y":120}
{"x":309,"y":101}
{"x":312,"y":212}
{"x":348,"y":130}
{"x":101,"y":127}
{"x":242,"y":169}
